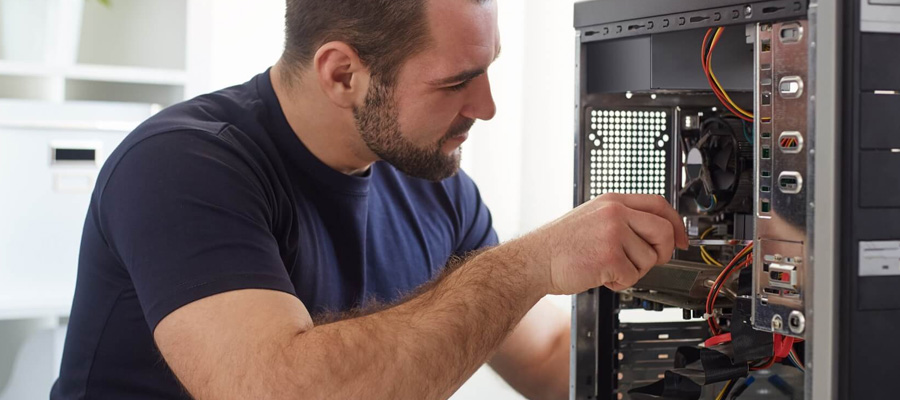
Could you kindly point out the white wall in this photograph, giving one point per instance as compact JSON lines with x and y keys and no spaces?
{"x":247,"y":37}
{"x":493,"y":153}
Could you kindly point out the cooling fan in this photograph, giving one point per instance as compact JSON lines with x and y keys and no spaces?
{"x":716,"y":167}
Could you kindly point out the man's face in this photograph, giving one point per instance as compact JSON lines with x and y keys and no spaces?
{"x":419,"y":123}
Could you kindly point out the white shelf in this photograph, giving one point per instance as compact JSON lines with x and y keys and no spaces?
{"x":19,"y":68}
{"x":101,"y":73}
{"x":104,"y":73}
{"x":26,"y":87}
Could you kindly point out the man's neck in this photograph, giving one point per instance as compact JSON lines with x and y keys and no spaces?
{"x":322,"y":127}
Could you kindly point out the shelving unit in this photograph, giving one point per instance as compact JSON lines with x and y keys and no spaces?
{"x":80,"y":50}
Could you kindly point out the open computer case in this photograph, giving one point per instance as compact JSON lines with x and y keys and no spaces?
{"x":773,"y":127}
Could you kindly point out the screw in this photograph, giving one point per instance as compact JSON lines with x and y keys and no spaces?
{"x":797,"y":322}
{"x":777,"y":323}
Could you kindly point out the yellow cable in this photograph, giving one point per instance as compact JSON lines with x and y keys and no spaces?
{"x":722,"y":393}
{"x":719,"y":85}
{"x":705,"y":258}
{"x":708,"y":258}
{"x":716,"y":80}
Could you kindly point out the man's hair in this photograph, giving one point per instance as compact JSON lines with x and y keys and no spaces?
{"x":385,"y":33}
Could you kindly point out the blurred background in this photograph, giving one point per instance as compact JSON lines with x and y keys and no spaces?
{"x":77,"y":75}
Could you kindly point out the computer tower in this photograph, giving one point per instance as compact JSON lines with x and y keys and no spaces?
{"x":773,"y":127}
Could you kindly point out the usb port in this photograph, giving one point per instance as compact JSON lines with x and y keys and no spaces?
{"x":783,"y":276}
{"x":766,"y":174}
{"x":765,"y":206}
{"x":766,"y":45}
{"x":766,"y":135}
{"x":766,"y":152}
{"x":790,"y":182}
{"x":765,"y":189}
{"x":772,"y":291}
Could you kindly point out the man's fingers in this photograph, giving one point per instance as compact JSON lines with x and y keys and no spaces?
{"x":641,"y":253}
{"x":656,"y":231}
{"x":659,"y":206}
{"x":624,"y":274}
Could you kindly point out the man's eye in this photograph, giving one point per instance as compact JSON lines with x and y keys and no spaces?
{"x":456,"y":88}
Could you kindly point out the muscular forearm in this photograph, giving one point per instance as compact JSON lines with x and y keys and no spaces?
{"x":426,"y":347}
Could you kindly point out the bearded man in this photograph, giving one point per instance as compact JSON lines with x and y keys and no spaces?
{"x":309,"y":235}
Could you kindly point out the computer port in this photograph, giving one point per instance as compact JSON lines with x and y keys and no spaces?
{"x":790,"y":182}
{"x":791,"y":87}
{"x":791,"y":32}
{"x":765,"y":206}
{"x":783,"y":276}
{"x":766,"y":152}
{"x":790,"y":142}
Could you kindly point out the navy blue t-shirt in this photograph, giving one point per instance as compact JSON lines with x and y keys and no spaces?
{"x":218,"y":194}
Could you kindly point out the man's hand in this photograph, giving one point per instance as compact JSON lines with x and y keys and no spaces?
{"x":610,"y":241}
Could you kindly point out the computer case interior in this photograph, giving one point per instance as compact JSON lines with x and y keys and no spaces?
{"x":773,"y":128}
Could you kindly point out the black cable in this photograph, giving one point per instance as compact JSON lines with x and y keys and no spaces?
{"x":739,"y":389}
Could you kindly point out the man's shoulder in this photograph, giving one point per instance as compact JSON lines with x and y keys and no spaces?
{"x":210,"y":113}
{"x":224,"y":125}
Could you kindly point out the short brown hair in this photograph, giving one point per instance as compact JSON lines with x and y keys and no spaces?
{"x":384,"y":32}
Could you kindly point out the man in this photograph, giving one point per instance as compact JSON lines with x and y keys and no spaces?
{"x":287,"y":238}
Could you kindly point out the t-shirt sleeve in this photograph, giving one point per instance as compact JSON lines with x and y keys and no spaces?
{"x":189,"y":217}
{"x":478,"y":228}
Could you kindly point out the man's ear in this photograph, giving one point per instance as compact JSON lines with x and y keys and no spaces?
{"x":341,"y":74}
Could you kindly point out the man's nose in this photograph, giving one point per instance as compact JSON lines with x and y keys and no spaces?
{"x":480,"y":104}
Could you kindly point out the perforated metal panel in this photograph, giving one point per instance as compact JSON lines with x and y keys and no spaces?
{"x":628,"y":151}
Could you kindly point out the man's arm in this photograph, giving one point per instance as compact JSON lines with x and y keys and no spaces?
{"x":534,"y":359}
{"x":263,"y":344}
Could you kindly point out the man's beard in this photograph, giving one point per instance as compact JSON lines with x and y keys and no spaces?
{"x":377,"y":122}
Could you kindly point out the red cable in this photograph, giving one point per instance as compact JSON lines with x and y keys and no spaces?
{"x":768,"y":364}
{"x":718,"y":339}
{"x":782,"y":345}
{"x":723,"y":277}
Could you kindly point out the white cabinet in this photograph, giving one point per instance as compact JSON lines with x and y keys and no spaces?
{"x":50,"y":154}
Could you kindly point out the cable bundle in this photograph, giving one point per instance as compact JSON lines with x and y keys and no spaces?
{"x":709,"y":44}
{"x":741,"y":260}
